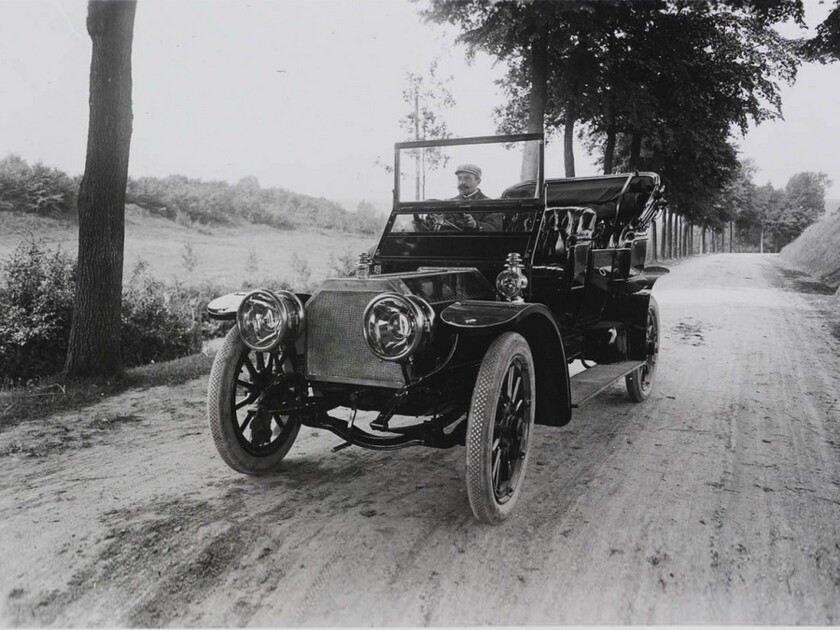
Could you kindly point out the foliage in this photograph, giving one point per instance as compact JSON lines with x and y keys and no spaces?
{"x":303,"y":272}
{"x":825,"y":45}
{"x":193,"y":201}
{"x":654,"y":84}
{"x":803,"y":202}
{"x":37,"y":288}
{"x":775,"y":217}
{"x":156,"y":324}
{"x":36,"y":189}
{"x":189,"y":259}
{"x":343,"y":265}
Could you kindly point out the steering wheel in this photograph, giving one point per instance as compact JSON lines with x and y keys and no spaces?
{"x":435,"y":223}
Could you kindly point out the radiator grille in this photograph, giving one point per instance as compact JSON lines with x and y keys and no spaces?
{"x":336,"y":350}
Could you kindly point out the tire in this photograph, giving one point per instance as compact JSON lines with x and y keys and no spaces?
{"x":499,"y":427}
{"x":250,"y":442}
{"x":640,"y":381}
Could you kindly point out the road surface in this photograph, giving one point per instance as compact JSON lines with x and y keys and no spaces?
{"x":717,"y":501}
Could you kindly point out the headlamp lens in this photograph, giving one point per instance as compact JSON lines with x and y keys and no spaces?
{"x":395,"y":326}
{"x":266,"y":319}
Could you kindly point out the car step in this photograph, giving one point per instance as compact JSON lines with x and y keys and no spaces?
{"x":596,"y":379}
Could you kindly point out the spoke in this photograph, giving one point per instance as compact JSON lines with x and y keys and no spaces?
{"x":246,"y":401}
{"x":515,"y":394}
{"x":247,"y":421}
{"x":245,"y":384}
{"x":496,"y":466}
{"x":250,"y":367}
{"x":510,"y":377}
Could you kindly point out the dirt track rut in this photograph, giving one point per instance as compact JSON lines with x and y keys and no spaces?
{"x":717,"y":501}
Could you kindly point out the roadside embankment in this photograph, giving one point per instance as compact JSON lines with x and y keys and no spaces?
{"x":817,"y":250}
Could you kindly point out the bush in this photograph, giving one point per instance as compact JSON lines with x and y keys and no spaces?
{"x":37,"y":288}
{"x":157,"y":323}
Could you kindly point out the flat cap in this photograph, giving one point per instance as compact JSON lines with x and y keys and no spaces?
{"x":469,"y":168}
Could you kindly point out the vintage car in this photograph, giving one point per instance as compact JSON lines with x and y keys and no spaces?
{"x":453,"y":334}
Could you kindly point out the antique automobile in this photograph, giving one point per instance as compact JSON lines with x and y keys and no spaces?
{"x":450,"y":333}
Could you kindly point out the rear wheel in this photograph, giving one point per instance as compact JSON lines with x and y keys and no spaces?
{"x":251,"y":441}
{"x":640,"y":381}
{"x":499,"y":428}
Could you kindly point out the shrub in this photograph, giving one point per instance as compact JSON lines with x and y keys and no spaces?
{"x":344,"y":265}
{"x":37,"y":287}
{"x":157,"y":323}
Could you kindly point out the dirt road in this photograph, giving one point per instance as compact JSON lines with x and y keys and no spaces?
{"x":717,"y":501}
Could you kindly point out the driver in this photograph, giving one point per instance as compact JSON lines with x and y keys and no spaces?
{"x":469,"y":177}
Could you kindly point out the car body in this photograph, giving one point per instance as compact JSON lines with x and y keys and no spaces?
{"x":453,"y":336}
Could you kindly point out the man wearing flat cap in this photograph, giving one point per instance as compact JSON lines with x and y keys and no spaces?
{"x":469,"y":177}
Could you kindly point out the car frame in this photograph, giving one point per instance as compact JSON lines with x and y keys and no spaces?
{"x":453,"y":337}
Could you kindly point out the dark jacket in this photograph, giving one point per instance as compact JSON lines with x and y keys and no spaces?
{"x":485,"y":222}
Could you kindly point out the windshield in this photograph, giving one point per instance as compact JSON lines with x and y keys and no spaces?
{"x":475,"y":169}
{"x":462,"y":202}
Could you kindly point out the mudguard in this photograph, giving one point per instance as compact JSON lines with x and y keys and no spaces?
{"x":225,"y":307}
{"x":536,"y":323}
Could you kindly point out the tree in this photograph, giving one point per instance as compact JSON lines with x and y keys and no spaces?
{"x":802,"y":204}
{"x":94,"y":347}
{"x":825,"y":45}
{"x":426,"y":96}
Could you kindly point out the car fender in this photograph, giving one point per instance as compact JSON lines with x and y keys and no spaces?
{"x":225,"y":307}
{"x":536,"y":323}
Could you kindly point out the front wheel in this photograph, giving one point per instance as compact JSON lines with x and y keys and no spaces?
{"x":251,"y":441}
{"x":499,"y":427}
{"x":640,"y":381}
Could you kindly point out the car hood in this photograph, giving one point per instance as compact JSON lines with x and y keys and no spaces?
{"x":436,"y":285}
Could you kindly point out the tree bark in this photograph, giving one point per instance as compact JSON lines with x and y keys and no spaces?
{"x":671,"y":234}
{"x":536,"y":105}
{"x":653,"y":240}
{"x":609,"y":151}
{"x":635,"y":150}
{"x":664,"y":244}
{"x":94,"y":347}
{"x":568,"y":141}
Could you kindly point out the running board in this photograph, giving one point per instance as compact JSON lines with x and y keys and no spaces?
{"x":596,"y":379}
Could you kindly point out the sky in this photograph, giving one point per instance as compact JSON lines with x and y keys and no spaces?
{"x":304,"y":94}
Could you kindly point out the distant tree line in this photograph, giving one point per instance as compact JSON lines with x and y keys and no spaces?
{"x":38,"y":189}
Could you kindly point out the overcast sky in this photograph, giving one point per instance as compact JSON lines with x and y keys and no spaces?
{"x":301,"y":94}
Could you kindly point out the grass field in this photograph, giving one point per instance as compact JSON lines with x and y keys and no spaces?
{"x":222,"y":253}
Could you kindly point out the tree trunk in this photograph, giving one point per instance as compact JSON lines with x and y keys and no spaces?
{"x":94,"y":347}
{"x":731,"y":232}
{"x":653,"y":240}
{"x":568,"y":141}
{"x":536,"y":106}
{"x":703,"y":240}
{"x":662,"y":246}
{"x":417,"y":167}
{"x":635,"y":150}
{"x":609,"y":150}
{"x":671,"y":234}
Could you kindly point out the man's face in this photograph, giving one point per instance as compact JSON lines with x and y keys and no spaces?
{"x":467,"y":183}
